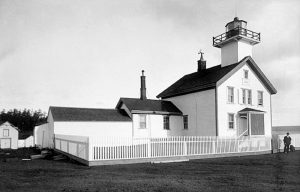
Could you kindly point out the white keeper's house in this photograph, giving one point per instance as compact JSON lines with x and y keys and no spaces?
{"x":232,"y":99}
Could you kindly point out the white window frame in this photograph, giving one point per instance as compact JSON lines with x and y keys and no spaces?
{"x":231,"y":122}
{"x":143,"y":121}
{"x":249,"y":98}
{"x":166,"y":122}
{"x":5,"y":132}
{"x":185,"y":122}
{"x":260,"y":101}
{"x":244,"y":96}
{"x":230,"y":98}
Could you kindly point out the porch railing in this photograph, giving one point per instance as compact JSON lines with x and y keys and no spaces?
{"x":235,"y":32}
{"x":113,"y":148}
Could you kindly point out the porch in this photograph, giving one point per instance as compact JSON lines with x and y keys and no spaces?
{"x":250,"y":122}
{"x":116,"y":150}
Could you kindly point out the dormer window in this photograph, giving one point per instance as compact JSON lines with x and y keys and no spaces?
{"x":246,"y":74}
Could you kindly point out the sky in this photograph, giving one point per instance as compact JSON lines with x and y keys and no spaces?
{"x":89,"y":53}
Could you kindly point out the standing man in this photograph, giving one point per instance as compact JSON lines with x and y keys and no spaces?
{"x":287,"y":141}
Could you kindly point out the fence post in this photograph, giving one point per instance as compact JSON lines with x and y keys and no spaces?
{"x":77,"y":149}
{"x":149,"y":147}
{"x":184,"y":146}
{"x":213,"y":146}
{"x":89,"y":149}
{"x":238,"y":145}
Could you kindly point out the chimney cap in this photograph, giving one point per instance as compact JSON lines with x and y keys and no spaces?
{"x":143,"y":72}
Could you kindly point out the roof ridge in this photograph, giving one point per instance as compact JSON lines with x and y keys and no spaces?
{"x":82,"y":108}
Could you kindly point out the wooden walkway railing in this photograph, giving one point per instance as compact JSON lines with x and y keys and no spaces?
{"x":118,"y":148}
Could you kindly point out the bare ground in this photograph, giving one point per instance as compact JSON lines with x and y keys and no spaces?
{"x":272,"y":172}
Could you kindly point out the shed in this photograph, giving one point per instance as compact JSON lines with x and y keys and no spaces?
{"x":25,"y":139}
{"x":9,"y":136}
{"x":88,"y":122}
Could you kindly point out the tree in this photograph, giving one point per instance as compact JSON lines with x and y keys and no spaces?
{"x":24,"y":119}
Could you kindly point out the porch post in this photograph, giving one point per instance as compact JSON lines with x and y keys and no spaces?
{"x":249,"y":123}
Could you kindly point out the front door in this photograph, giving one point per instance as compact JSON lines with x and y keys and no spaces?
{"x":5,"y":143}
{"x":243,"y":125}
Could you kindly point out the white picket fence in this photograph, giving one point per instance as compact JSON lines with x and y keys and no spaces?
{"x":118,"y":148}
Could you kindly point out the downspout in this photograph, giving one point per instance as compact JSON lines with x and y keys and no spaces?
{"x":271,"y":114}
{"x":216,"y":111}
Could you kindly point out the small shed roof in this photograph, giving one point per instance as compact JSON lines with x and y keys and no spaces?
{"x":6,"y":123}
{"x":250,"y":110}
{"x":87,"y":114}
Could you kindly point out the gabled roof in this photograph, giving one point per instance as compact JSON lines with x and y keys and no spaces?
{"x":87,"y":114}
{"x":208,"y":79}
{"x":135,"y":105}
{"x":6,"y":123}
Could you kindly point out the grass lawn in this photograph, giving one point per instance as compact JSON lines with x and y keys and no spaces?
{"x":272,"y":172}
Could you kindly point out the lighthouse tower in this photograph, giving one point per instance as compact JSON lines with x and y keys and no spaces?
{"x":236,"y":43}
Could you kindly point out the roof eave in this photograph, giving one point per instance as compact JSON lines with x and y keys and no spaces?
{"x":155,"y":112}
{"x":207,"y":87}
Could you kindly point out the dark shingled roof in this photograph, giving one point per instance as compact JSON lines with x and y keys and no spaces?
{"x":207,"y":79}
{"x":197,"y":81}
{"x":87,"y":114}
{"x":149,"y":105}
{"x":250,"y":110}
{"x":25,"y":134}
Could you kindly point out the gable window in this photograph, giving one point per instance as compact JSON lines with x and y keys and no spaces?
{"x":230,"y":98}
{"x":5,"y":132}
{"x":249,"y":97}
{"x":230,"y":120}
{"x":244,"y":96}
{"x":185,"y":122}
{"x":143,"y":122}
{"x":166,"y":122}
{"x":246,"y":74}
{"x":260,"y":98}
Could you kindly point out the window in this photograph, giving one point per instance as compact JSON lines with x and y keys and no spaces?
{"x":230,"y":95}
{"x":244,"y":96}
{"x":260,"y":98}
{"x":143,"y":124}
{"x":5,"y":132}
{"x":249,"y":97}
{"x":185,"y":122}
{"x":246,"y":74}
{"x":166,"y":122}
{"x":230,"y":120}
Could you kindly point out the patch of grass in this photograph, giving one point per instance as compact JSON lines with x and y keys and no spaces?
{"x":272,"y":172}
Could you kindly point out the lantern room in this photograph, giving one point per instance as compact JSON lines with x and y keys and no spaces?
{"x":236,"y":23}
{"x":236,"y":43}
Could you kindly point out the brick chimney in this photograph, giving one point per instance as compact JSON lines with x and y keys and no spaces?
{"x":143,"y":86}
{"x":201,"y":63}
